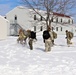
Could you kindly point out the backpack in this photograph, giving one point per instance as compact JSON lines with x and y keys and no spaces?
{"x":33,"y":35}
{"x":46,"y":34}
{"x":54,"y":35}
{"x":71,"y":35}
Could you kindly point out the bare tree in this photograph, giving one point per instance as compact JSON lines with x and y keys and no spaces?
{"x":50,"y":6}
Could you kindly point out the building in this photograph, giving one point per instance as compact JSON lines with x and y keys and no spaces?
{"x":3,"y":28}
{"x":22,"y":17}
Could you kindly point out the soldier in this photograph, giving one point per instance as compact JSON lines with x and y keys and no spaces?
{"x":69,"y":36}
{"x":48,"y":37}
{"x":32,"y":36}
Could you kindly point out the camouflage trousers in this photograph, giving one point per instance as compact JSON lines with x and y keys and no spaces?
{"x":69,"y":42}
{"x":22,"y":40}
{"x":48,"y":45}
{"x":31,"y":44}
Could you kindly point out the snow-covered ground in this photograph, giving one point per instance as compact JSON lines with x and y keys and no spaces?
{"x":16,"y":59}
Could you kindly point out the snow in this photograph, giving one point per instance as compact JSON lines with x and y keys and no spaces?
{"x":17,"y":59}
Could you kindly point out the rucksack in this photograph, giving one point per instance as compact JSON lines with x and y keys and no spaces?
{"x":71,"y":35}
{"x":46,"y":34}
{"x":33,"y":35}
{"x":54,"y":35}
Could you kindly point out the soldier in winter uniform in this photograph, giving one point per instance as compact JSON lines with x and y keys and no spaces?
{"x":68,"y":37}
{"x":32,"y":36}
{"x":48,"y":42}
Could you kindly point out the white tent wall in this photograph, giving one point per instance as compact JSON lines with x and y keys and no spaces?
{"x":3,"y":28}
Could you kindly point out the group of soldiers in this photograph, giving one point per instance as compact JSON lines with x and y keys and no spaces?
{"x":23,"y":35}
{"x":49,"y":42}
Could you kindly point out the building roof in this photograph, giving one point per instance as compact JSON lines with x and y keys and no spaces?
{"x":62,"y":15}
{"x":4,"y":18}
{"x":54,"y":13}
